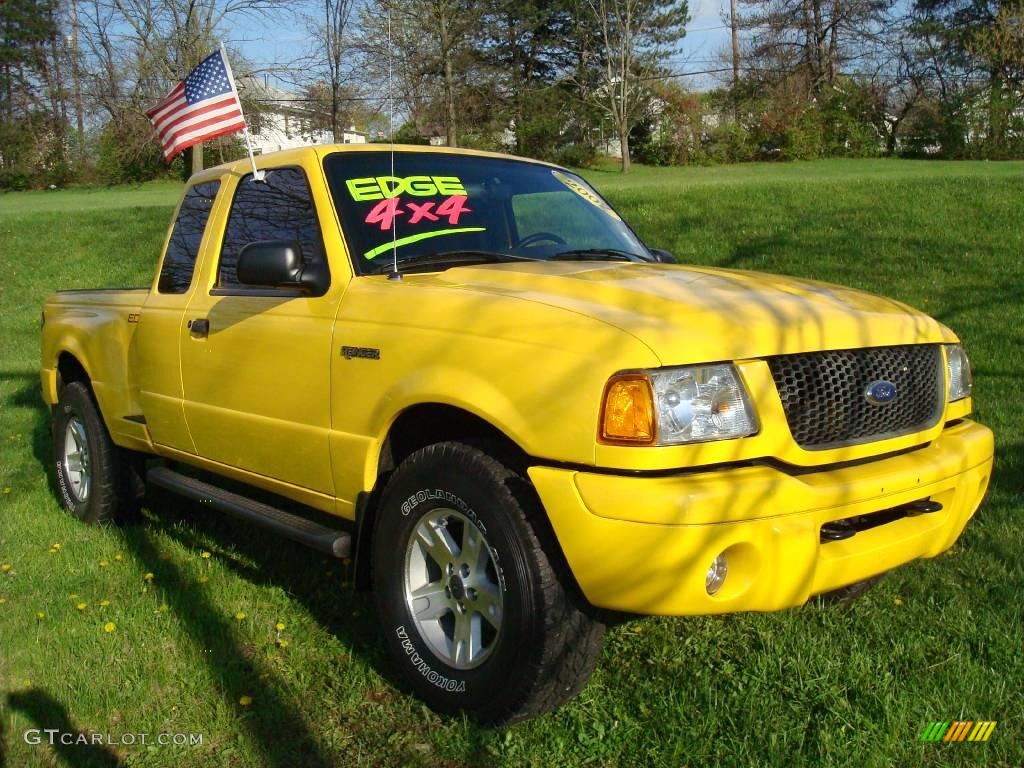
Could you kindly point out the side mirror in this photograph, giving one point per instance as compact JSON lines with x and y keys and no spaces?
{"x":270,"y":263}
{"x":662,"y":256}
{"x":278,"y":264}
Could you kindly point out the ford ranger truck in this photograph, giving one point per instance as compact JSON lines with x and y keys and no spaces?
{"x":521,"y":418}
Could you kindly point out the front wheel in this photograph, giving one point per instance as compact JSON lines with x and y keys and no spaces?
{"x":97,"y":481}
{"x":476,"y":616}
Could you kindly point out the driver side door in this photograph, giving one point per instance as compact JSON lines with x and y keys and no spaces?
{"x":255,"y":362}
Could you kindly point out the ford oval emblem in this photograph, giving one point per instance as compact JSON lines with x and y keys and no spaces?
{"x":880,"y":392}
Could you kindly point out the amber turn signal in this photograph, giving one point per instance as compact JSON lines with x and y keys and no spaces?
{"x":627,"y":414}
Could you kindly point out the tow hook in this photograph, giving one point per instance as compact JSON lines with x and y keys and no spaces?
{"x":839,"y":530}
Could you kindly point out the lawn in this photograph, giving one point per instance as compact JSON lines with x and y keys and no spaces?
{"x":194,"y":600}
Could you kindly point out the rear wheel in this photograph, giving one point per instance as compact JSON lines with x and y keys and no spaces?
{"x":96,"y":481}
{"x":477,"y":618}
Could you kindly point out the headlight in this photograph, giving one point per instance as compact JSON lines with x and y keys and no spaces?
{"x":672,"y":406}
{"x":958,"y":369}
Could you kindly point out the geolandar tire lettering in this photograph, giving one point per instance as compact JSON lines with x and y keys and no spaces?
{"x":478,"y":620}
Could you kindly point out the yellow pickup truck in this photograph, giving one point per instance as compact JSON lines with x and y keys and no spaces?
{"x":518,"y":418}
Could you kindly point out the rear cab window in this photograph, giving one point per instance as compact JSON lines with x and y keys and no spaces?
{"x":179,"y":263}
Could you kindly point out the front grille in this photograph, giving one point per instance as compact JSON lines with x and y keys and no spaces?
{"x":823,"y":393}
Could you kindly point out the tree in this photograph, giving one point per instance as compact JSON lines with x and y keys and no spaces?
{"x":33,"y":106}
{"x":158,"y":42}
{"x":330,"y":63}
{"x":522,"y":45}
{"x":429,"y":44}
{"x":633,"y":38}
{"x":976,"y":52}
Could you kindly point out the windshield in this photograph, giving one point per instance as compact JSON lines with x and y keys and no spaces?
{"x":440,"y":203}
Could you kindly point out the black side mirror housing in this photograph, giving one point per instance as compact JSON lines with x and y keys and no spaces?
{"x":279,"y":264}
{"x":662,"y":256}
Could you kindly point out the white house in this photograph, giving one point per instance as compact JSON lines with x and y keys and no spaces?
{"x":284,"y":120}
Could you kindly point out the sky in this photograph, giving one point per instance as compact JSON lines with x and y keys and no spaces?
{"x":269,"y":45}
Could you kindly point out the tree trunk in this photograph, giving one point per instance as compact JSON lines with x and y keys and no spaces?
{"x":76,"y":80}
{"x":624,"y":145}
{"x":733,"y":23}
{"x":334,"y":112}
{"x":890,"y":139}
{"x":197,"y":157}
{"x":833,"y":45}
{"x":449,"y":97}
{"x":997,"y":113}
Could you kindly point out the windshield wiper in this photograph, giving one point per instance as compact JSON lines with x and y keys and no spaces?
{"x":598,"y":254}
{"x":454,"y":259}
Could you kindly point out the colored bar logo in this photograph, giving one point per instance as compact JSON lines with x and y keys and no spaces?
{"x":958,"y":730}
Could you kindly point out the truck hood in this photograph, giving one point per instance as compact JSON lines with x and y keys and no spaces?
{"x":696,"y":314}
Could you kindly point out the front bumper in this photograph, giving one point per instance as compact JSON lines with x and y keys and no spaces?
{"x":644,"y":544}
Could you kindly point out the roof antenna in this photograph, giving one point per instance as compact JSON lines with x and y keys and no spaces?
{"x":394,"y":274}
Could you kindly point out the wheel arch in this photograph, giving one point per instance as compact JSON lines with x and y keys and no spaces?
{"x":413,"y":428}
{"x":70,"y":369}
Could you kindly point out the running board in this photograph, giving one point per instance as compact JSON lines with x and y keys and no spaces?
{"x":328,"y":540}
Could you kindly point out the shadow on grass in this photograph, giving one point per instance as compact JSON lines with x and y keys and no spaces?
{"x":29,"y":397}
{"x":45,"y":712}
{"x":276,"y":727}
{"x":234,"y":666}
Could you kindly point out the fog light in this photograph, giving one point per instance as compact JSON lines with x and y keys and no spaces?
{"x":716,"y":574}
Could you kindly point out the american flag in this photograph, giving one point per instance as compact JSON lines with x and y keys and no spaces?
{"x":205,"y":105}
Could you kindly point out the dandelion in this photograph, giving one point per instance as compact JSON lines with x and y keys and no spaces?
{"x":53,"y":551}
{"x":118,"y":557}
{"x":109,"y":627}
{"x":5,"y":568}
{"x":56,"y":546}
{"x":6,"y":491}
{"x":245,"y":700}
{"x":40,"y":615}
{"x":148,"y":577}
{"x":279,"y":627}
{"x":82,"y":606}
{"x":104,"y":563}
{"x":203,"y":579}
{"x":898,"y":601}
{"x":240,"y":616}
{"x":282,"y":643}
{"x":3,"y":600}
{"x":104,"y":603}
{"x":205,"y":555}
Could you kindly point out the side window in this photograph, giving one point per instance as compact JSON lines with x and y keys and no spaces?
{"x":279,"y":208}
{"x":183,"y":247}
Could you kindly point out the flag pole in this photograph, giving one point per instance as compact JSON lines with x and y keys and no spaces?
{"x":257,"y":175}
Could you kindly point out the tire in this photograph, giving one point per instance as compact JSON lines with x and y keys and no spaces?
{"x":532,"y":644}
{"x":96,"y":481}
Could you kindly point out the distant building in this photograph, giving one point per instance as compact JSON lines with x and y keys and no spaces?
{"x":284,"y":121}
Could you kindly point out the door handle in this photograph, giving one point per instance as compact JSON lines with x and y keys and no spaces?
{"x":200,"y":327}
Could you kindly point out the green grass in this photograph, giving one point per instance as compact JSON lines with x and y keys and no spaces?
{"x":936,"y":640}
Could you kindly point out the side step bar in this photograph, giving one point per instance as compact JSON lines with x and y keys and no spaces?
{"x":329,"y":540}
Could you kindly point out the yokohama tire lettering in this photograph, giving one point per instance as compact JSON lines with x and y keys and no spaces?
{"x":432,"y":677}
